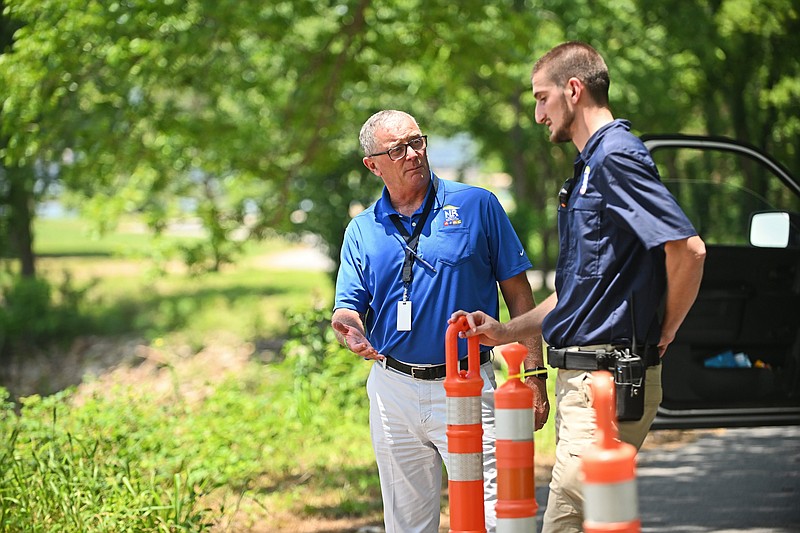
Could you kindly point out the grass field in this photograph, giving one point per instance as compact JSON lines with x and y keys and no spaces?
{"x":226,"y":404}
{"x":129,"y":267}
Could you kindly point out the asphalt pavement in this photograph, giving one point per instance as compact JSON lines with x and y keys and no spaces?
{"x":726,"y":481}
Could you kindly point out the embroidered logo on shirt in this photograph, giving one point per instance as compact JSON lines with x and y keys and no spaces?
{"x":451,"y":216}
{"x":585,"y":182}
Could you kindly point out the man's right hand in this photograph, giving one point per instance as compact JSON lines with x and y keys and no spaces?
{"x":489,"y":331}
{"x":356,"y":341}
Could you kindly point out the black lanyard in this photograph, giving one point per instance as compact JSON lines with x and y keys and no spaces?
{"x":412,"y":240}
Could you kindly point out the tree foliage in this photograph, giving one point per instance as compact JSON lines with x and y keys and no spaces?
{"x":247,"y":113}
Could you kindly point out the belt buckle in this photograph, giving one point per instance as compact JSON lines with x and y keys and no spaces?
{"x":414,"y":370}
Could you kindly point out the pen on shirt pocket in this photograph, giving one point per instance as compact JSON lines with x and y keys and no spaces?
{"x":418,"y":258}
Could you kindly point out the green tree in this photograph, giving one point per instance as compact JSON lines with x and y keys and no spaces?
{"x":142,"y":104}
{"x":742,"y":68}
{"x":248,"y":113}
{"x":16,"y":189}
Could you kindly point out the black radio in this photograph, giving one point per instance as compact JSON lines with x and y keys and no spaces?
{"x":629,"y":372}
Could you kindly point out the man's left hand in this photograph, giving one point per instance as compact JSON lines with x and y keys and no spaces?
{"x":541,"y":404}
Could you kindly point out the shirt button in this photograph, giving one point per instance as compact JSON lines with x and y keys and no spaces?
{"x":413,"y":224}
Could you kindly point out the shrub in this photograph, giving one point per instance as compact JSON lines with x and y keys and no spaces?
{"x":324,"y":372}
{"x":33,"y":312}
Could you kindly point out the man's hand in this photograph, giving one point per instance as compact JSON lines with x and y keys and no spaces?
{"x":489,"y":331}
{"x":356,"y":341}
{"x":541,"y":405}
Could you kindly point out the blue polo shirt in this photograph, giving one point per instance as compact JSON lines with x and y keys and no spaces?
{"x":612,"y":231}
{"x":467,"y":238}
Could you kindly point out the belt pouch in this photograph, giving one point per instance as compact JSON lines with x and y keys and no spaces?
{"x":629,"y":372}
{"x":556,"y":357}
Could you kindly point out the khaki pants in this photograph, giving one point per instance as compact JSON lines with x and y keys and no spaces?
{"x":575,"y":423}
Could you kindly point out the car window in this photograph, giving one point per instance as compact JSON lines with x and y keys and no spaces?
{"x":719,"y":190}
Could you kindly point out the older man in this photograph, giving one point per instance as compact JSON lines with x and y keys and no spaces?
{"x":426,"y":248}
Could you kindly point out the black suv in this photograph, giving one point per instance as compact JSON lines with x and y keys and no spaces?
{"x":736,"y":358}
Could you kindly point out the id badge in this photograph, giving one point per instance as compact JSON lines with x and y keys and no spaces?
{"x":404,"y":315}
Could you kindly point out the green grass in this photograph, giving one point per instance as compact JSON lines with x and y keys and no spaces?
{"x":248,"y":299}
{"x":80,"y":470}
{"x":195,"y":438}
{"x":76,"y":237}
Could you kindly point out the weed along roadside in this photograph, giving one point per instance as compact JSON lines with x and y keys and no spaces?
{"x":180,"y":409}
{"x":219,"y":402}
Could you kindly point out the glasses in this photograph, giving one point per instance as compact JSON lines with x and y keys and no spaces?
{"x":398,"y":152}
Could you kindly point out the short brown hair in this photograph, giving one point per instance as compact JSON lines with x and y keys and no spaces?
{"x":575,"y":59}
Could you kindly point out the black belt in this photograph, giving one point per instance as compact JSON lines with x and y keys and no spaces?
{"x":572,"y":359}
{"x":430,"y":373}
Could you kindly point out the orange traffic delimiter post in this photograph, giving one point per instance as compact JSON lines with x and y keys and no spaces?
{"x":609,"y":469}
{"x":516,"y":493}
{"x":464,"y":434}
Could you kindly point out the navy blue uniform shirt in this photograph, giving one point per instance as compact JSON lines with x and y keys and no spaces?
{"x":612,"y":231}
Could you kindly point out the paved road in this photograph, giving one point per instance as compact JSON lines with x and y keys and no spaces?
{"x":735,"y":480}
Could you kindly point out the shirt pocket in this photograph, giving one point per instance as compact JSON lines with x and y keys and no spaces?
{"x":453,"y":245}
{"x":585,"y":222}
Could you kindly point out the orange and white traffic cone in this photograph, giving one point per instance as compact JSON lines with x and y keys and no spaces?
{"x":463,"y":389}
{"x":516,"y":493}
{"x":609,"y":469}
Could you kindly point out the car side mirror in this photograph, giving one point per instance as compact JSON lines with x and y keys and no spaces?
{"x":774,"y":229}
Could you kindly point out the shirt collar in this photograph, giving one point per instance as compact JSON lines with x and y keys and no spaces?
{"x":597,"y":137}
{"x":383,"y":207}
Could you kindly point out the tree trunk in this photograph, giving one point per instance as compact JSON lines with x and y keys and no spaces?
{"x":21,"y":211}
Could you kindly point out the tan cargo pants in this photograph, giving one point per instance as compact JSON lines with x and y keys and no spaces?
{"x":575,"y":423}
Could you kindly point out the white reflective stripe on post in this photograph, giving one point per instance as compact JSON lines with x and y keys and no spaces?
{"x":463,"y":410}
{"x":513,"y":424}
{"x":610,"y":502}
{"x":516,"y":525}
{"x":465,"y":467}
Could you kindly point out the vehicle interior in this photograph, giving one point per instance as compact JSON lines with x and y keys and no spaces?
{"x":736,"y":358}
{"x":743,"y":307}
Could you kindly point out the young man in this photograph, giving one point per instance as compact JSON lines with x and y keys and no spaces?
{"x":426,"y":248}
{"x":625,"y":247}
